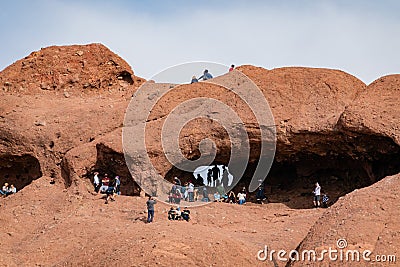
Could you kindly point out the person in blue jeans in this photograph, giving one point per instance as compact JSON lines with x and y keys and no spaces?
{"x":150,"y":208}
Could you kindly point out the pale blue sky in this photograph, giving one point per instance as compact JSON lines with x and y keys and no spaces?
{"x":359,"y":37}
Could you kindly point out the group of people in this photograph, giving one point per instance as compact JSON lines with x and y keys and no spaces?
{"x":176,"y":214}
{"x":8,"y":190}
{"x":107,"y":185}
{"x":185,"y":192}
{"x":206,"y":75}
{"x":173,"y":213}
{"x":317,"y":197}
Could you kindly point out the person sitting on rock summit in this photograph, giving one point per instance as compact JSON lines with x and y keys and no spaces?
{"x":194,"y":80}
{"x":206,"y":76}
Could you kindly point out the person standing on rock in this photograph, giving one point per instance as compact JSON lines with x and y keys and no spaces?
{"x":215,"y":173}
{"x":96,"y":182}
{"x":190,"y":191}
{"x":117,"y":185}
{"x":150,"y":208}
{"x":209,"y":177}
{"x":317,"y":195}
{"x":232,"y":68}
{"x":225,"y":177}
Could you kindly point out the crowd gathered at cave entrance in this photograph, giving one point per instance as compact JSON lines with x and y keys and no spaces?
{"x":211,"y":188}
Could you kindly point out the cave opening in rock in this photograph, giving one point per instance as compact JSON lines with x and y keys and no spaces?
{"x":113,"y":163}
{"x":340,"y":165}
{"x":19,"y":170}
{"x":125,"y":76}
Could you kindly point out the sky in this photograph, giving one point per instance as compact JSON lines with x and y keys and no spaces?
{"x":361,"y":37}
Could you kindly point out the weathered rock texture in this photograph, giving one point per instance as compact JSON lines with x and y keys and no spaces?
{"x":61,"y":115}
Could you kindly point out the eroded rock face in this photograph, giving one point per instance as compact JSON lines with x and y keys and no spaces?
{"x":313,"y":143}
{"x":42,"y":124}
{"x":376,"y":110}
{"x":366,"y":219}
{"x":75,"y":68}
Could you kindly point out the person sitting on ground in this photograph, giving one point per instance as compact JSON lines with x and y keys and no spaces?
{"x":104,"y":183}
{"x":325,"y":199}
{"x":232,"y":198}
{"x":186,"y":214}
{"x":13,"y":189}
{"x":206,"y":76}
{"x":232,"y":68}
{"x":171,"y":214}
{"x":194,"y":80}
{"x":217,"y":197}
{"x":241,"y":197}
{"x":205,"y":195}
{"x":178,"y":213}
{"x":199,"y":181}
{"x":260,"y":195}
{"x":317,"y":195}
{"x":110,"y":191}
{"x":5,"y":190}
